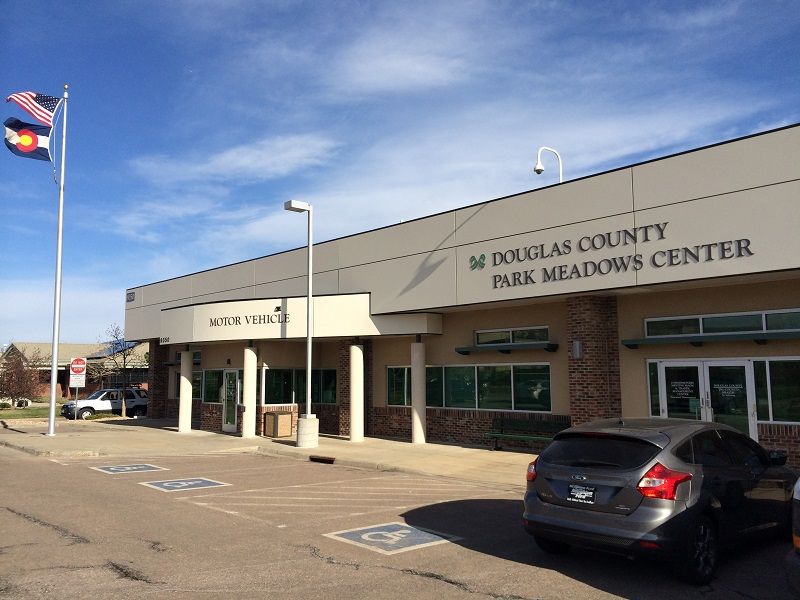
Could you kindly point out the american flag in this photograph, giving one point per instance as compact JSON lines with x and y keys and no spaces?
{"x":39,"y":106}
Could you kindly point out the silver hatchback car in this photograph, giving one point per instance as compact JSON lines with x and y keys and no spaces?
{"x":671,"y":488}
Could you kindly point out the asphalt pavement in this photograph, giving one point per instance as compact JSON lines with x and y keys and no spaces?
{"x":118,"y":437}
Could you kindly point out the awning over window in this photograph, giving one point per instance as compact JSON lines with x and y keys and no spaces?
{"x":508,"y":348}
{"x":759,"y":337}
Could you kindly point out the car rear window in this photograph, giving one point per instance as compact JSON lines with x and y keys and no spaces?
{"x":603,"y":451}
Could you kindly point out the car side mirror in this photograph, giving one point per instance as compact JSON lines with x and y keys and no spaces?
{"x":777,"y":458}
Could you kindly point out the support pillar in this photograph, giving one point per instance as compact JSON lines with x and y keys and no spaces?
{"x":249,"y":393}
{"x":418,"y":424}
{"x":356,"y":393}
{"x":185,"y":393}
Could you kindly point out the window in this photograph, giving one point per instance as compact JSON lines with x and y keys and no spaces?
{"x":608,"y":452}
{"x":278,"y":388}
{"x":459,"y":387}
{"x":744,"y":451}
{"x":709,"y":450}
{"x":197,"y":384}
{"x":532,"y":387}
{"x":488,"y":387}
{"x":512,"y":336}
{"x":399,"y":386}
{"x":494,"y":387}
{"x":323,"y":388}
{"x":783,"y":320}
{"x":784,"y":387}
{"x":733,"y":323}
{"x":658,"y":327}
{"x":212,"y":385}
{"x":653,"y":392}
{"x":779,"y":320}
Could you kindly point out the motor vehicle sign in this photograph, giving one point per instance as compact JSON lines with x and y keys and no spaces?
{"x":77,"y":372}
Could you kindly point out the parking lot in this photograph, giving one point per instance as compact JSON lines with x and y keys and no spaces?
{"x":279,"y":527}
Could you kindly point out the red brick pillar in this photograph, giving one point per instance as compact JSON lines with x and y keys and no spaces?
{"x":343,"y":385}
{"x":594,"y":379}
{"x":157,"y":380}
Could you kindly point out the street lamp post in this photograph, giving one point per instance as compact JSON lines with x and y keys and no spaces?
{"x":539,"y":168}
{"x":308,"y":424}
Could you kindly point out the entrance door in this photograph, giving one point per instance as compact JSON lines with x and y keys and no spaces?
{"x":719,"y":391}
{"x":230,"y":399}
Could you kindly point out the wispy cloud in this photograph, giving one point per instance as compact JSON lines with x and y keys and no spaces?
{"x":259,"y":160}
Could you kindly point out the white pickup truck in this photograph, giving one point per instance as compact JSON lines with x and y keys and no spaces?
{"x":108,"y":401}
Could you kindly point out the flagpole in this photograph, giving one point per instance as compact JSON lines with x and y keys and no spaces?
{"x":51,"y":427}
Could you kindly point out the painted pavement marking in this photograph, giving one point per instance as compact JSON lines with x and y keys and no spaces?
{"x":391,"y":538}
{"x":138,"y":468}
{"x":180,"y":485}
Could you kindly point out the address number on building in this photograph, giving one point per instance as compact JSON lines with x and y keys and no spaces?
{"x":163,"y":340}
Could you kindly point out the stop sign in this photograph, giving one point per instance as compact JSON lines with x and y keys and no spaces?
{"x":77,"y":366}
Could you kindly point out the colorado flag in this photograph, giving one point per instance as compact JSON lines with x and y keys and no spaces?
{"x":28,"y":140}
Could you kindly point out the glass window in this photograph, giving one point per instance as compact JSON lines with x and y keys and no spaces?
{"x":397,"y":380}
{"x":434,"y":386}
{"x":212,"y":386}
{"x":328,"y":390}
{"x":608,"y":452}
{"x":709,"y":450}
{"x":278,"y":386}
{"x":784,"y":379}
{"x":494,"y":387}
{"x":744,"y":451}
{"x":317,"y":395}
{"x":732,"y":323}
{"x":652,"y":384}
{"x":762,"y":390}
{"x":532,"y":387}
{"x":687,"y":326}
{"x":536,"y":334}
{"x":459,"y":387}
{"x":492,"y":337}
{"x":197,"y":384}
{"x":783,"y":320}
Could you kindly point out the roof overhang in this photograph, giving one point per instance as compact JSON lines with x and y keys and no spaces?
{"x":335,"y":316}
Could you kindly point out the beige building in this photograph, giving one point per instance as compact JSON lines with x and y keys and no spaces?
{"x":667,"y":288}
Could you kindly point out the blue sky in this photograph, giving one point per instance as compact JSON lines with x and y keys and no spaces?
{"x":191,"y":122}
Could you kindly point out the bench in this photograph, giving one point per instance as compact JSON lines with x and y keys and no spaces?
{"x":514,"y":428}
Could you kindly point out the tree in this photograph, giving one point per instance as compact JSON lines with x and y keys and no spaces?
{"x":19,"y":376}
{"x":115,"y":358}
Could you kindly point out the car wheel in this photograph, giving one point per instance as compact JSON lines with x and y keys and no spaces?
{"x":551,"y":546}
{"x":85,"y":413}
{"x":701,"y":552}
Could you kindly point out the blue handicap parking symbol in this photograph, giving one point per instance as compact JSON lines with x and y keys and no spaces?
{"x":142,"y":468}
{"x":391,"y":538}
{"x":180,"y":485}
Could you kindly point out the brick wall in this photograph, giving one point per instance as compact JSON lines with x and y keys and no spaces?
{"x":158,"y":382}
{"x":336,"y":420}
{"x":211,"y":417}
{"x":453,"y":426}
{"x":781,"y":437}
{"x":594,"y":379}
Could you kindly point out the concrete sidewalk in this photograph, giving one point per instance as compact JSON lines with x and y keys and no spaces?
{"x":131,"y":438}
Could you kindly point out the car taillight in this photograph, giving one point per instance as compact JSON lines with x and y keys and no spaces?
{"x":661,"y":482}
{"x":530,"y":475}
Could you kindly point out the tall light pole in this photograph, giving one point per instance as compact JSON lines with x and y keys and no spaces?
{"x":539,"y":168}
{"x":307,"y":425}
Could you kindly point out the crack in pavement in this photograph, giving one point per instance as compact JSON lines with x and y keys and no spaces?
{"x":76,"y":539}
{"x":464,"y":587}
{"x":127,"y":572}
{"x":156,"y":546}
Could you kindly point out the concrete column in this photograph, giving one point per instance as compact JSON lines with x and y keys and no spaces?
{"x":185,"y":393}
{"x":249,"y":393}
{"x":418,"y":424}
{"x":356,"y":393}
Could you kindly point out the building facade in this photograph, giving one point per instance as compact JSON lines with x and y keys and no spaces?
{"x":668,"y":288}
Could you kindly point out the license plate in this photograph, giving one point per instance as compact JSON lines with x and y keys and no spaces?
{"x":584,"y":494}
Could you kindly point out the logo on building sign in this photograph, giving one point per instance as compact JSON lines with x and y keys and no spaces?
{"x":477,"y":263}
{"x":130,"y":296}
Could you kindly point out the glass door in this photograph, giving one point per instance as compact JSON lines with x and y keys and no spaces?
{"x":730,"y":391}
{"x":230,"y":399}
{"x":681,"y":389}
{"x":719,"y":391}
